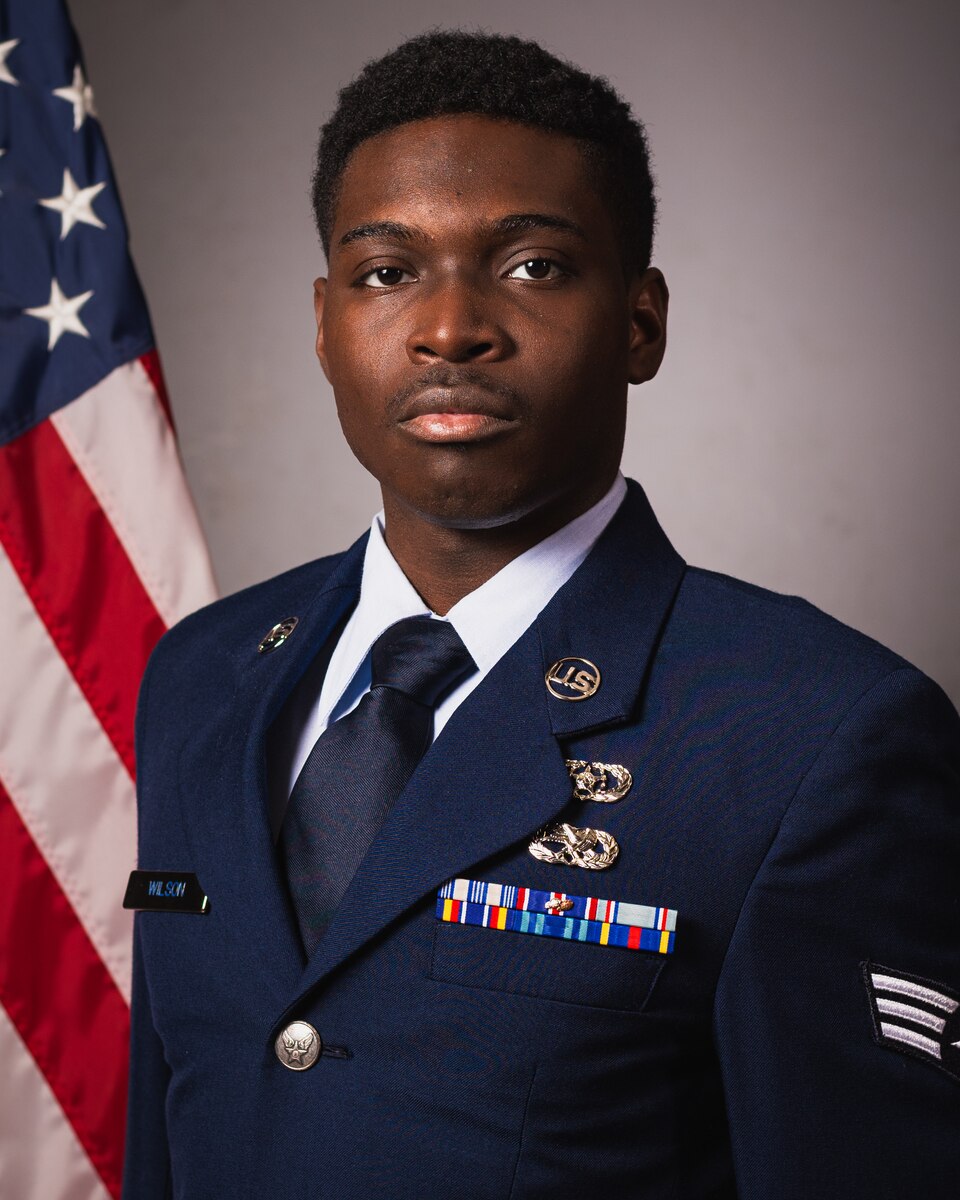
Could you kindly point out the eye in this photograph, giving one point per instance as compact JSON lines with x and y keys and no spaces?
{"x":385,"y":277}
{"x":536,"y":269}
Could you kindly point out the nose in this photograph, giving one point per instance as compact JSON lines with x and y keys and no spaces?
{"x":456,"y":321}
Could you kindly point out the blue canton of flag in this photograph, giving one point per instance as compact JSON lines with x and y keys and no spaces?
{"x":71,"y":308}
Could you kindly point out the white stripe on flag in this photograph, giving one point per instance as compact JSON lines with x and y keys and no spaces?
{"x":907,"y":1012}
{"x":65,"y":779}
{"x":906,"y":987}
{"x":122,"y":443}
{"x":41,"y":1155}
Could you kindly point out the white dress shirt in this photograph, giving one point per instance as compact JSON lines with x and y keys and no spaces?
{"x":489,"y":619}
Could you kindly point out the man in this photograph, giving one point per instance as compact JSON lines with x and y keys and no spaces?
{"x":668,"y":907}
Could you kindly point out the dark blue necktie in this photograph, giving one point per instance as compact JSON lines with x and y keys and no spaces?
{"x":360,"y":764}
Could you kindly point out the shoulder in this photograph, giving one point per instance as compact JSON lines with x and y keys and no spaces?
{"x":721,"y":609}
{"x":771,"y":668}
{"x":255,"y":608}
{"x":757,"y":649}
{"x":202,"y":654}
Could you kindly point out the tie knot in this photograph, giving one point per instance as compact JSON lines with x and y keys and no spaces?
{"x":420,"y":657}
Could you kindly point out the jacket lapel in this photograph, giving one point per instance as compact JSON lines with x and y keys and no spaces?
{"x":497,"y":771}
{"x":231,"y":841}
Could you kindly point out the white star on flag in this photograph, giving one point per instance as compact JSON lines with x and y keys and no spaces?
{"x":80,"y":95}
{"x":75,"y":204}
{"x":60,"y":312}
{"x":5,"y":48}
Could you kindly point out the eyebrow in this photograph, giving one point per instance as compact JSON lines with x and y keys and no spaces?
{"x":383,"y":229}
{"x":522,"y":222}
{"x":510,"y":224}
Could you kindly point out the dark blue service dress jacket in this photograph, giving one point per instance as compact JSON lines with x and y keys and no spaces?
{"x":794,"y":801}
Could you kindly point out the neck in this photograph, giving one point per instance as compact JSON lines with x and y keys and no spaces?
{"x":445,"y":563}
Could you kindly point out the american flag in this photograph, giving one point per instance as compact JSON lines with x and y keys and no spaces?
{"x":100,"y":551}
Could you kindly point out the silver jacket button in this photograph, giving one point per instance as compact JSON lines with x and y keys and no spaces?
{"x":298,"y":1046}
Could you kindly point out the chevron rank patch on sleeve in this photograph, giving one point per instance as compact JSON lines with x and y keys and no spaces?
{"x":915,"y":1016}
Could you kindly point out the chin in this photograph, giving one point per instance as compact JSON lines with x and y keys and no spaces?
{"x":473,"y":504}
{"x":461,"y":512}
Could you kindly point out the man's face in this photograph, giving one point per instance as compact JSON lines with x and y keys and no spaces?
{"x":477,"y":326}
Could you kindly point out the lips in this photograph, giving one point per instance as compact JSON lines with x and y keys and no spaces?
{"x":458,"y":413}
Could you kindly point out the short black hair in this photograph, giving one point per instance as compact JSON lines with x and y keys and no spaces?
{"x":456,"y":71}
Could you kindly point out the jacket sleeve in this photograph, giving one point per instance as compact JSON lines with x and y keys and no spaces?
{"x":861,"y":881}
{"x":146,"y":1170}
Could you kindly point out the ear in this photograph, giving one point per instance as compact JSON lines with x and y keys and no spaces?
{"x":648,"y":299}
{"x":319,"y":290}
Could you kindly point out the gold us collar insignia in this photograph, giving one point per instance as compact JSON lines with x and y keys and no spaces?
{"x":566,"y":845}
{"x":572,"y":679}
{"x":603,"y":782}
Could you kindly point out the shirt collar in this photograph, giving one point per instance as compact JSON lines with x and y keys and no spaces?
{"x":490,"y":618}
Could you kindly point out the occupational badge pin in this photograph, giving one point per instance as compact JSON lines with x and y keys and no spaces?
{"x":566,"y":845}
{"x":572,"y":679}
{"x":277,"y":635}
{"x":603,"y":782}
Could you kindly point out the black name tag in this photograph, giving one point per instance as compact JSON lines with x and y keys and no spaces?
{"x":165,"y":891}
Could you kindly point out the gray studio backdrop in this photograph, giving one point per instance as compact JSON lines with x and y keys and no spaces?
{"x":803,"y":432}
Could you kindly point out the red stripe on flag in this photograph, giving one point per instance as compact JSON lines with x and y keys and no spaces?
{"x":151,"y":364}
{"x":65,"y":1006}
{"x":78,"y":577}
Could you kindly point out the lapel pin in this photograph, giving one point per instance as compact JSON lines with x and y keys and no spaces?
{"x":603,"y":782}
{"x":572,"y":679}
{"x":277,"y":635}
{"x":566,"y":845}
